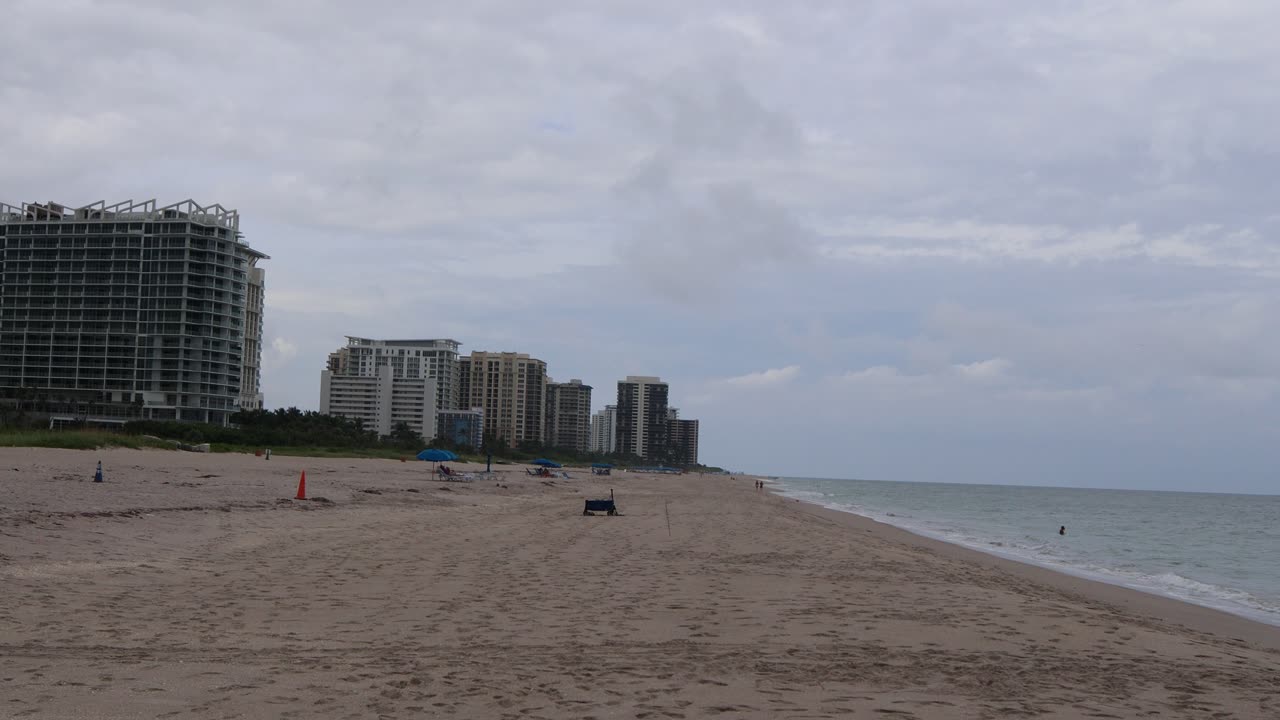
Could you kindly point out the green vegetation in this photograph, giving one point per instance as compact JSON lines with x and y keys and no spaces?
{"x":315,"y":451}
{"x":280,"y":429}
{"x":286,"y":432}
{"x":295,"y":432}
{"x":78,"y":439}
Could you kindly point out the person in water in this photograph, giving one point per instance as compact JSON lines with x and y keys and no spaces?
{"x":1062,"y":530}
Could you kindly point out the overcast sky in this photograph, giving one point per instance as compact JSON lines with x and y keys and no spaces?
{"x":1007,"y":241}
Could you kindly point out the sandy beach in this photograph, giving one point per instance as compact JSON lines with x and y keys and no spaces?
{"x":192,"y":585}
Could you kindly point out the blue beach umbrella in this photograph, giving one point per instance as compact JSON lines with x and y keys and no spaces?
{"x":436,"y":456}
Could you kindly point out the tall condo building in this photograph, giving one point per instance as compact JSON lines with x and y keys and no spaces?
{"x":682,"y":439}
{"x":642,"y":417}
{"x":131,"y":310}
{"x":569,"y":415}
{"x":385,"y":382}
{"x":511,"y":389}
{"x":604,"y":437}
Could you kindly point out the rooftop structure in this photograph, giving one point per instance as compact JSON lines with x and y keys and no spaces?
{"x":213,"y":215}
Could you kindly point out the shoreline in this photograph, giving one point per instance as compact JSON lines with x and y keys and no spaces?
{"x":1187,"y":614}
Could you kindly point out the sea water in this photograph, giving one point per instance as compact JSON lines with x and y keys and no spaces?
{"x":1218,"y":550}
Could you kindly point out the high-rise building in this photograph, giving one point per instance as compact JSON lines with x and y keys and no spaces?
{"x":683,"y":441}
{"x":409,"y":359}
{"x":642,"y":417}
{"x":385,"y":382}
{"x":131,"y":310}
{"x":569,"y":415}
{"x":380,"y":401}
{"x":511,"y":388}
{"x":604,"y":437}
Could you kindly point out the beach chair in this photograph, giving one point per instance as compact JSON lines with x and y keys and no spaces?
{"x":534,"y":473}
{"x":605,"y":506}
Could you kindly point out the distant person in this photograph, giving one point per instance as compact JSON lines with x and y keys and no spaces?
{"x":1062,"y":530}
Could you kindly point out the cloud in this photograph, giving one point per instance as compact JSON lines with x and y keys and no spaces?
{"x":700,"y":214}
{"x":746,"y":27}
{"x":278,"y":352}
{"x":687,"y":242}
{"x":765,"y":378}
{"x":1203,"y":246}
{"x":984,"y":369}
{"x":1049,"y":221}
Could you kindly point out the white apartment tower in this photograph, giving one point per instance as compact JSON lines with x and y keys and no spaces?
{"x":604,"y":428}
{"x":385,"y":382}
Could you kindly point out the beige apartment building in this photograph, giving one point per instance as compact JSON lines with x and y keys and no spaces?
{"x":511,"y":389}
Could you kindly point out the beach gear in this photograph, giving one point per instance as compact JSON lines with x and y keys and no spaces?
{"x":605,"y":506}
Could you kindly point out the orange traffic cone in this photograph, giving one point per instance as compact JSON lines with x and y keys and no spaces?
{"x":302,"y":487}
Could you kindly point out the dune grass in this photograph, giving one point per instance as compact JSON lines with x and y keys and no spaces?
{"x":335,"y":452}
{"x":321,"y":452}
{"x":77,"y":440}
{"x":94,"y":439}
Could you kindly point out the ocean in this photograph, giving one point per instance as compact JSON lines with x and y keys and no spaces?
{"x":1217,"y":550}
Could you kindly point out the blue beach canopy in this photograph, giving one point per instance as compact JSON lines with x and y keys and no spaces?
{"x":547,"y":463}
{"x":603,"y":465}
{"x":434,"y":455}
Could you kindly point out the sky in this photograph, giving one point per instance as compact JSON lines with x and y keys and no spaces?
{"x":943,"y":240}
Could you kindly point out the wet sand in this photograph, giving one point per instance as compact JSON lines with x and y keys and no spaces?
{"x":194,"y":586}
